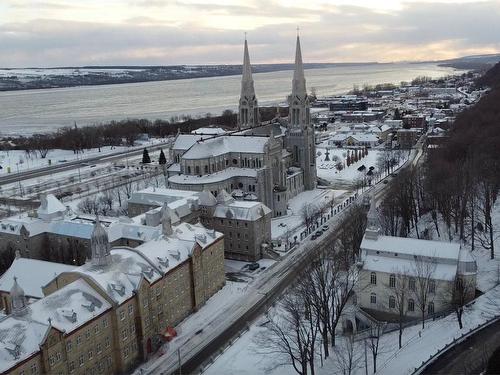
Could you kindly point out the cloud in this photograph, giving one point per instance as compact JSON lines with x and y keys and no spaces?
{"x":160,"y":32}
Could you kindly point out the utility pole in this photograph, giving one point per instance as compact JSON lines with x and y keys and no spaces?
{"x":179,"y":357}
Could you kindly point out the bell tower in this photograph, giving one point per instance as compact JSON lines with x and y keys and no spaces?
{"x":300,"y":129}
{"x":248,"y":114}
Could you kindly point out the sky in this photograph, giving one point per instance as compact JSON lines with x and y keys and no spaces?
{"x":48,"y":33}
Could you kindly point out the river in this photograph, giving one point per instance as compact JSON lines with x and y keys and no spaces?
{"x":25,"y":112}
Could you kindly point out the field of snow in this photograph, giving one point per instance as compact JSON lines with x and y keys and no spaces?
{"x":19,"y":160}
{"x":328,"y":171}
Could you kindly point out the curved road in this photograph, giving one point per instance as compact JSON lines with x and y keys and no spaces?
{"x":470,"y":356}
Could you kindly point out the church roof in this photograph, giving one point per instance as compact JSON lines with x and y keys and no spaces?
{"x":299,"y":80}
{"x":226,"y":144}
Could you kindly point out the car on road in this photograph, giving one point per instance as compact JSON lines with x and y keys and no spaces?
{"x":325,"y":227}
{"x":385,"y":182}
{"x":318,"y":233}
{"x":313,"y":237}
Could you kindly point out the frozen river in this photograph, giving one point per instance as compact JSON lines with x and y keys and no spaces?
{"x":24,"y":112}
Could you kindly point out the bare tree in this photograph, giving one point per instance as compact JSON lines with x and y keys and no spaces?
{"x":373,"y":342}
{"x":398,"y":297}
{"x":423,"y":290}
{"x":459,"y":292}
{"x":289,"y":334}
{"x":347,"y":358}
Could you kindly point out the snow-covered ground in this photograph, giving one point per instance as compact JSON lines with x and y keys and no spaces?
{"x":13,"y":161}
{"x":328,"y":171}
{"x":245,"y":357}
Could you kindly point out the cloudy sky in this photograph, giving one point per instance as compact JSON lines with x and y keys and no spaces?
{"x":145,"y":32}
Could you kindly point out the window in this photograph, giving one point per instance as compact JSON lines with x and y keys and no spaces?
{"x":58,"y":356}
{"x":99,"y":348}
{"x":392,"y":281}
{"x":106,"y":342}
{"x":96,"y":329}
{"x":105,"y":322}
{"x":69,"y":346}
{"x":87,"y":334}
{"x":91,"y":354}
{"x":430,"y":308}
{"x":124,"y":333}
{"x":392,"y":302}
{"x":373,"y":278}
{"x":432,"y":286}
{"x":411,"y":283}
{"x":122,"y":314}
{"x":373,"y":298}
{"x":51,"y":360}
{"x":108,"y":361}
{"x":411,"y":305}
{"x":81,"y":360}
{"x":72,"y":366}
{"x":126,"y":352}
{"x":78,"y":339}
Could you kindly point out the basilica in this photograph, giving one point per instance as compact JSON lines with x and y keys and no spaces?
{"x":268,"y":162}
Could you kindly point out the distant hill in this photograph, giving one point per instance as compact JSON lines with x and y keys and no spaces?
{"x":475,"y":62}
{"x":491,"y":78}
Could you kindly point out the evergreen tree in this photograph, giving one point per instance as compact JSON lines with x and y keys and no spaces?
{"x":162,"y":159}
{"x":145,"y":157}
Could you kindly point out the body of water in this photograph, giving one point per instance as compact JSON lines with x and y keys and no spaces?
{"x":25,"y":112}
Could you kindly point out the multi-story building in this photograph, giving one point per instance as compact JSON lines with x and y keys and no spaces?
{"x":397,"y":273}
{"x":114,"y":311}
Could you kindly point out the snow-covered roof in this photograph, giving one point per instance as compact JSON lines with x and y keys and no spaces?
{"x":224,"y":145}
{"x":32,"y":275}
{"x":50,"y":205}
{"x":185,"y":141}
{"x":158,"y":196}
{"x":380,"y":263}
{"x":69,"y":307}
{"x":211,"y":131}
{"x":122,"y":276}
{"x":166,"y":252}
{"x":19,"y":340}
{"x":214,"y":177}
{"x":413,"y":246}
{"x":242,"y":210}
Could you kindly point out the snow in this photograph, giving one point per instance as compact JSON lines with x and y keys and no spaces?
{"x":222,"y":145}
{"x":214,"y":177}
{"x":413,"y":246}
{"x":32,"y":275}
{"x":242,"y":210}
{"x":328,"y":171}
{"x":69,"y":307}
{"x":22,"y":335}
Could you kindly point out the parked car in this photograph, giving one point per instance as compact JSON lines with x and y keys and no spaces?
{"x":385,"y":182}
{"x":313,"y":237}
{"x":253,"y":266}
{"x":325,"y":227}
{"x":318,"y":233}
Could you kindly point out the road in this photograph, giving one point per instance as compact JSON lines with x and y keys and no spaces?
{"x":106,"y":158}
{"x":262,"y":294}
{"x":470,"y":356}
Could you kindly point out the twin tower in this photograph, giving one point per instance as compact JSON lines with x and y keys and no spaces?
{"x":300,"y":139}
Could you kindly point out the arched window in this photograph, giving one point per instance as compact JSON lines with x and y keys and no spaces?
{"x":197,"y":169}
{"x":411,"y":305}
{"x":411,"y":283}
{"x":373,"y":278}
{"x":392,"y":302}
{"x":373,"y":298}
{"x":430,"y":308}
{"x":189,"y":170}
{"x":392,"y":281}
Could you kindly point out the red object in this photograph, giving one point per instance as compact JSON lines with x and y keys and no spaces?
{"x":169,"y":333}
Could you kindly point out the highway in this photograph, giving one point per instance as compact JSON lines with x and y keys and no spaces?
{"x":71,"y":165}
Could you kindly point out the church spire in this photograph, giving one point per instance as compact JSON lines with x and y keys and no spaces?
{"x":247,"y":88}
{"x":99,"y":244}
{"x":248,"y":115}
{"x":299,"y":80}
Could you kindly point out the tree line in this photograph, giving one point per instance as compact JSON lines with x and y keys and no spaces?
{"x":458,"y":182}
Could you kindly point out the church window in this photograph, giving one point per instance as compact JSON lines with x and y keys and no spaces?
{"x":373,"y":298}
{"x":430,"y":308}
{"x":373,"y":278}
{"x":411,"y":305}
{"x":235,"y":161}
{"x":189,"y":169}
{"x":392,"y":281}
{"x":206,"y":169}
{"x":240,"y":185}
{"x":197,"y":169}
